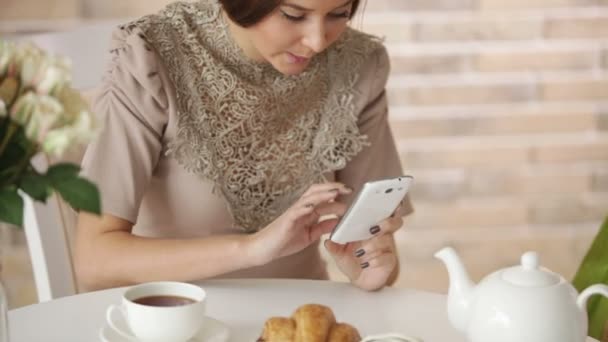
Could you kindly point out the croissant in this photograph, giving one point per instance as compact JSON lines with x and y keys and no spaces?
{"x":309,"y":323}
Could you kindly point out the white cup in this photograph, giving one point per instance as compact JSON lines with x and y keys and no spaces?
{"x":152,"y":323}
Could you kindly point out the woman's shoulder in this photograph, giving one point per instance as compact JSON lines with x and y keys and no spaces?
{"x":361,"y":51}
{"x":177,"y":25}
{"x":364,"y":56}
{"x":134,"y":61}
{"x":145,"y":48}
{"x":355,"y":43}
{"x":178,"y":18}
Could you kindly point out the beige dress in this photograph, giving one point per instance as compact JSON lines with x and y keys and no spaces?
{"x":199,"y":140}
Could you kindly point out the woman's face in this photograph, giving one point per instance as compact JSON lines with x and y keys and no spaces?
{"x":297,"y":30}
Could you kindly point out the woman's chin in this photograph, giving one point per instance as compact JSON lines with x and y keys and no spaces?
{"x":290,"y":69}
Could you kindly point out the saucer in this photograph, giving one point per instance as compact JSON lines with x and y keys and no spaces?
{"x":212,"y":331}
{"x":390,"y":337}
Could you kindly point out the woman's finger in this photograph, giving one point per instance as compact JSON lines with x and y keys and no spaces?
{"x":297,"y":212}
{"x":340,"y":250}
{"x":334,"y":248}
{"x":378,"y":242}
{"x":317,"y":198}
{"x":390,"y":225}
{"x":372,"y":248}
{"x":324,"y":187}
{"x":321,"y":228}
{"x":331,"y":208}
{"x":386,"y":227}
{"x":387,"y":258}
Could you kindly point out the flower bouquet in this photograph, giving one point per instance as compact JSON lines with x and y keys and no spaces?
{"x":40,"y":113}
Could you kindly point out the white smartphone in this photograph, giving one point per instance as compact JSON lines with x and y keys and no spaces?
{"x":374,"y":203}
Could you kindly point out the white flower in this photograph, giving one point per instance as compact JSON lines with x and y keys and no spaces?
{"x":7,"y":52}
{"x":23,"y":108}
{"x":35,"y":86}
{"x":22,"y":53}
{"x":46,"y":116}
{"x":77,"y":126}
{"x":38,"y":114}
{"x":43,"y":72}
{"x":52,"y":79}
{"x":57,"y":141}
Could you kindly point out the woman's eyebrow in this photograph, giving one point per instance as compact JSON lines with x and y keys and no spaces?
{"x":304,"y":9}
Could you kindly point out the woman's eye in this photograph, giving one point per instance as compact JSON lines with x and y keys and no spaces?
{"x":345,"y":14}
{"x":292,"y":17}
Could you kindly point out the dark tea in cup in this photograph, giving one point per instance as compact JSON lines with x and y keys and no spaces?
{"x":164,"y":301}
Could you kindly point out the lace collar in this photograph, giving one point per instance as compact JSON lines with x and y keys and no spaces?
{"x":261,"y":137}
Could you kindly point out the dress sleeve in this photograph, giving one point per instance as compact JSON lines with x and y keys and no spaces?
{"x":132,"y":106}
{"x":380,"y":159}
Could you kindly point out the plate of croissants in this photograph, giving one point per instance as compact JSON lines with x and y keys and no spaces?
{"x":317,"y":323}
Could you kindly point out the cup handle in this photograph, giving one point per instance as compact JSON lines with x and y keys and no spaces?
{"x":110,"y":319}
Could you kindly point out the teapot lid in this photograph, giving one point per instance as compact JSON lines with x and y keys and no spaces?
{"x":530,"y":274}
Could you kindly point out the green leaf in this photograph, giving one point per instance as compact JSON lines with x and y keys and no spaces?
{"x":594,"y":270}
{"x":6,"y":175}
{"x":80,"y":194}
{"x":11,"y":207}
{"x":36,"y":185}
{"x":16,"y":150}
{"x":62,"y":171}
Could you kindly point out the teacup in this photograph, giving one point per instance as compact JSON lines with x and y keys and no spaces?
{"x":160,"y":311}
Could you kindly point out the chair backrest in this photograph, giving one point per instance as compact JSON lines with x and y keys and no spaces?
{"x":49,"y":244}
{"x":49,"y":248}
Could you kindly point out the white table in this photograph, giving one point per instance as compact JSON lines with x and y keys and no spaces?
{"x":244,"y":305}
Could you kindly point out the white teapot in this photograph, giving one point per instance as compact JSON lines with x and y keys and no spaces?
{"x":526,"y":303}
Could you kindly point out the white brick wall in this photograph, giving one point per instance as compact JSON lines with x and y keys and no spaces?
{"x":499,"y":111}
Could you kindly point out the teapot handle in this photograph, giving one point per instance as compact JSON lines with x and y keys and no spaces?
{"x":581,"y":301}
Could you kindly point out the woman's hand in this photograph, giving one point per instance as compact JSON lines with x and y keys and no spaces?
{"x":369,"y":264}
{"x":299,"y":226}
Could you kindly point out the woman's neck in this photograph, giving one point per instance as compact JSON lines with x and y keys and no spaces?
{"x":240,"y":37}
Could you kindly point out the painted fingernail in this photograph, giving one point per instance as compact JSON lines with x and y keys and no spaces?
{"x":359,"y":253}
{"x":365,"y":265}
{"x":374,"y":230}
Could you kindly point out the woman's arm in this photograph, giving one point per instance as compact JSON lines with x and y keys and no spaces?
{"x":108,"y":255}
{"x":377,"y":161}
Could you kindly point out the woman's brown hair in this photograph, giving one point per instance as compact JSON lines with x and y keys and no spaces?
{"x":249,"y":12}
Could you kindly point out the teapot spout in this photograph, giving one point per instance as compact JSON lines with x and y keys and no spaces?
{"x":460,"y":293}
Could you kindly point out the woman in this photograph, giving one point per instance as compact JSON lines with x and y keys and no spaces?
{"x":230,"y":129}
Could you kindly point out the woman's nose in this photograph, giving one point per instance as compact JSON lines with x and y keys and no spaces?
{"x":316,"y":37}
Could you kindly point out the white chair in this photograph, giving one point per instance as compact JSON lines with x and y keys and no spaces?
{"x":48,"y":239}
{"x":48,"y":227}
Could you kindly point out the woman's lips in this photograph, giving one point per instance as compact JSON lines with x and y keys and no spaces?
{"x":295,"y":59}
